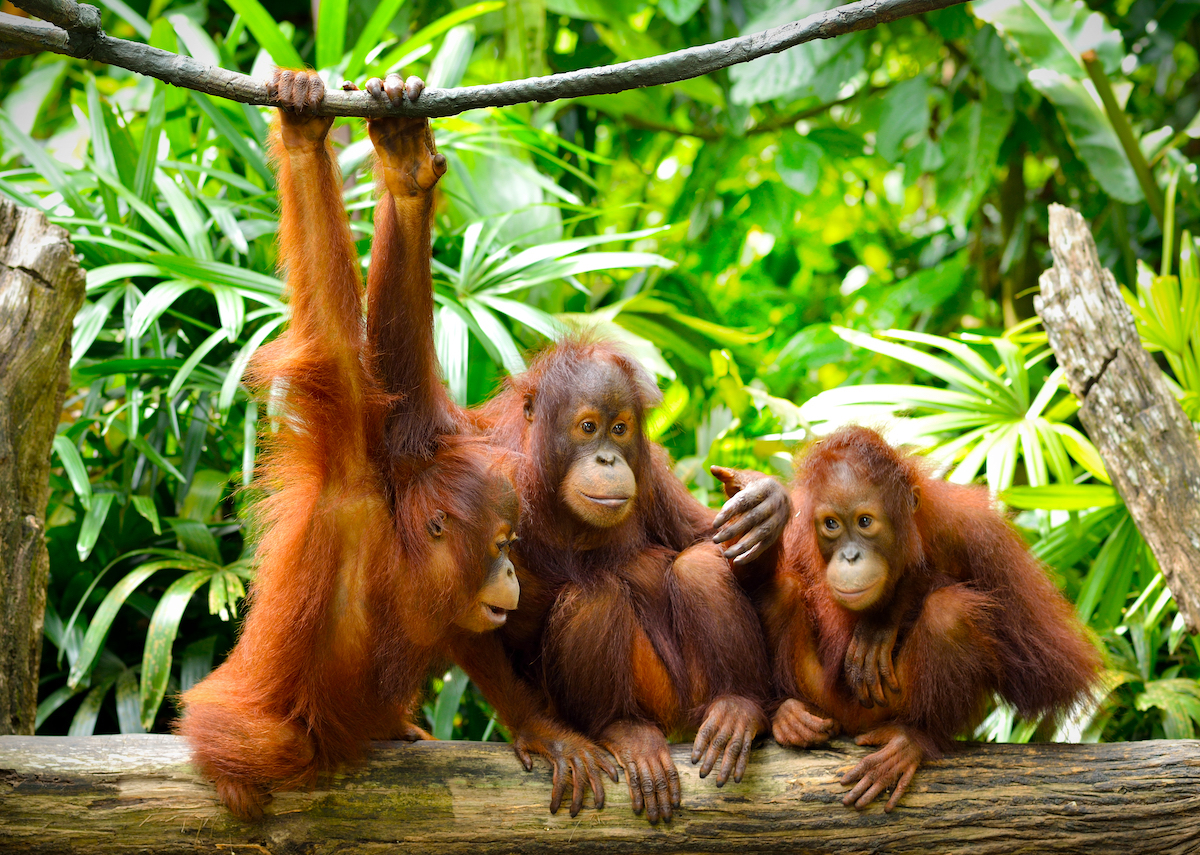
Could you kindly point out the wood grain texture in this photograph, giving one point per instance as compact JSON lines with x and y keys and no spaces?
{"x":1149,"y":447}
{"x":41,"y":288}
{"x":138,"y":794}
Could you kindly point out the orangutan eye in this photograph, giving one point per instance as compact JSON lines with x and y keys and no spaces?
{"x":831,"y":524}
{"x":865,"y":521}
{"x":588,"y":427}
{"x":619,"y":428}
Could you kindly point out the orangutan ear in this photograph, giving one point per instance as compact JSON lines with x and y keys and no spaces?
{"x":528,"y":408}
{"x":437,"y":523}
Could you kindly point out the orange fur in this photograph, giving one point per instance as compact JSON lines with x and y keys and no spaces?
{"x":976,"y":613}
{"x":353,"y":600}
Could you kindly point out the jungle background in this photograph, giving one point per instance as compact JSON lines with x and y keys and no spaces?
{"x":852,"y":229}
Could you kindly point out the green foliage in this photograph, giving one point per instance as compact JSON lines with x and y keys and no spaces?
{"x":850,"y":229}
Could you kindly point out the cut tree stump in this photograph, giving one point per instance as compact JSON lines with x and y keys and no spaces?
{"x":110,"y":794}
{"x":1149,"y":447}
{"x":41,"y":288}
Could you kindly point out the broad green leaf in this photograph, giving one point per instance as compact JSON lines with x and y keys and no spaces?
{"x":679,"y":12}
{"x":496,"y":338}
{"x":1053,"y":35}
{"x":446,"y":706}
{"x":371,"y":34}
{"x":102,"y":620}
{"x":1061,"y":497}
{"x":160,"y":638}
{"x":155,"y":456}
{"x":660,"y":419}
{"x":799,"y":163}
{"x":937,"y":367}
{"x":530,"y":316}
{"x":1090,"y":133}
{"x":126,"y":13}
{"x":51,"y":703}
{"x":249,"y":442}
{"x":93,"y":522}
{"x":45,"y":165}
{"x":76,"y":471}
{"x":905,"y":112}
{"x":722,"y":335}
{"x":128,"y":703}
{"x":267,"y":33}
{"x":196,"y":539}
{"x":1082,"y":450}
{"x":187,"y":214}
{"x":232,"y":135}
{"x":177,"y":124}
{"x":1179,"y":699}
{"x":452,"y":342}
{"x":238,"y":367}
{"x":152,"y":218}
{"x":331,"y":33}
{"x":448,"y":67}
{"x":144,"y":505}
{"x":194,"y":359}
{"x":208,"y":487}
{"x":157,"y":300}
{"x":427,"y":34}
{"x":1098,"y":584}
{"x":232,"y":309}
{"x":148,"y":152}
{"x":84,"y":721}
{"x":963,"y":353}
{"x":817,"y":69}
{"x":196,"y":662}
{"x":197,"y":42}
{"x":222,"y":274}
{"x":971,"y":144}
{"x":30,"y":92}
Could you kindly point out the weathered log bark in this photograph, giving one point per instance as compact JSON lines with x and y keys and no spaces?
{"x":138,"y":794}
{"x":41,"y":287}
{"x":1149,"y":447}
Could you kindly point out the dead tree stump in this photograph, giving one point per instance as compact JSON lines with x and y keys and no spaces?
{"x":1149,"y":447}
{"x":41,"y":287}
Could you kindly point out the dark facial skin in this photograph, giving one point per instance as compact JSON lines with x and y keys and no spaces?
{"x":856,"y":539}
{"x":858,"y":542}
{"x":500,"y":591}
{"x":600,"y":488}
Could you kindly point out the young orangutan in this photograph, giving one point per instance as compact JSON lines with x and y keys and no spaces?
{"x":901,"y":603}
{"x":400,"y":332}
{"x":636,"y":625}
{"x":632,"y":623}
{"x":386,"y":532}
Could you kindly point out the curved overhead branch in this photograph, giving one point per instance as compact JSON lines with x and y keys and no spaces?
{"x":87,"y":43}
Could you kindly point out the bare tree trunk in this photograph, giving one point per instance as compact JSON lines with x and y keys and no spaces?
{"x":1149,"y":447}
{"x":41,"y":287}
{"x":138,"y":794}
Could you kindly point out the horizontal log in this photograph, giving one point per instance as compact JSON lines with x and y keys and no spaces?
{"x":139,"y":794}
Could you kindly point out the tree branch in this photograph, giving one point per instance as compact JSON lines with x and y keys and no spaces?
{"x":654,"y":71}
